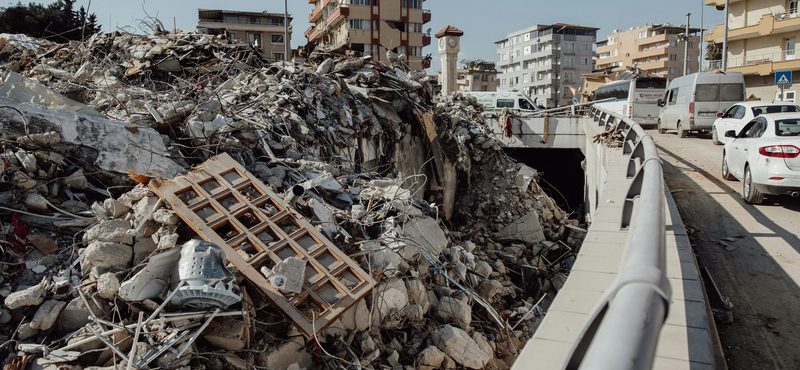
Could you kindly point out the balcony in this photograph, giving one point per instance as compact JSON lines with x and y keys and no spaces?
{"x":767,"y":24}
{"x":315,"y":14}
{"x":654,"y":65}
{"x":759,"y":64}
{"x":652,"y":52}
{"x":340,"y":13}
{"x":426,"y":40}
{"x":426,"y":16}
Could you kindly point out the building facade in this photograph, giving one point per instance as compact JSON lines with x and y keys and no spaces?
{"x":543,"y":61}
{"x":655,"y":48}
{"x":371,"y":27}
{"x":761,"y":40}
{"x":265,"y":30}
{"x":480,"y":75}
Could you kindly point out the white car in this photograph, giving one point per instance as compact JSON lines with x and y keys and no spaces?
{"x":740,"y":113}
{"x":765,"y":156}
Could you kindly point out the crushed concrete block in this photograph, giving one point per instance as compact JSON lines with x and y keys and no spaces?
{"x":5,"y":316}
{"x":142,"y":247}
{"x":453,"y":311}
{"x":429,"y":359}
{"x":35,"y":202}
{"x":77,"y":180}
{"x":166,"y":217}
{"x":382,"y":257}
{"x":47,"y":314}
{"x":32,"y":296}
{"x":227,"y":333}
{"x":114,"y":231}
{"x":370,"y":357}
{"x":107,"y":255}
{"x":356,"y":319}
{"x":483,"y":343}
{"x":489,"y":288}
{"x":22,"y":181}
{"x":168,"y":241}
{"x":288,"y":275}
{"x":287,"y":354}
{"x":391,"y":297}
{"x":414,"y":312}
{"x":457,"y":344}
{"x":107,"y":285}
{"x":115,"y":208}
{"x":526,"y":229}
{"x":75,"y":315}
{"x":27,"y":160}
{"x":448,"y":363}
{"x":417,"y":294}
{"x":144,"y":206}
{"x":426,"y":233}
{"x":483,"y":269}
{"x":25,"y":331}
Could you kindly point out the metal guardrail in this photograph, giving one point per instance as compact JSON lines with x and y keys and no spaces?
{"x":622,"y":332}
{"x":570,"y":108}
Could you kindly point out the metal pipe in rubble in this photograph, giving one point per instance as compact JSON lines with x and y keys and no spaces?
{"x":293,"y":195}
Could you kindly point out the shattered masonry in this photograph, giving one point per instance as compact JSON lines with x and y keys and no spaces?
{"x":414,"y":241}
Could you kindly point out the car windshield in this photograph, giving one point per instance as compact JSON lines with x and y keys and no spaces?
{"x":787,"y":127}
{"x":775,"y":109}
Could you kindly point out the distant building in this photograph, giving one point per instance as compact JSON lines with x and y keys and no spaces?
{"x":762,"y":39}
{"x":477,"y":75}
{"x":266,"y":30}
{"x":371,"y":26}
{"x":543,"y":61}
{"x":654,"y":48}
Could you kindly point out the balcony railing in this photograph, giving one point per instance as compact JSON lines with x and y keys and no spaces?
{"x":751,"y":60}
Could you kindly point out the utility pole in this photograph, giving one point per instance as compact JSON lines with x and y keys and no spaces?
{"x":686,"y":45}
{"x":725,"y":39}
{"x":286,"y":29}
{"x":700,"y":55}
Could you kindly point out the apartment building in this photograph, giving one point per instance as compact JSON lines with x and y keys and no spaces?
{"x":480,"y":75}
{"x":761,"y":40}
{"x":262,"y":29}
{"x":543,"y":61}
{"x":371,"y":27}
{"x":655,"y":48}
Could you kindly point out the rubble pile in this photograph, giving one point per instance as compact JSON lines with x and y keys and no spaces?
{"x":362,"y":223}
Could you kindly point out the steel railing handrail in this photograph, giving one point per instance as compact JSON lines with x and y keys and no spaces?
{"x":622,"y":332}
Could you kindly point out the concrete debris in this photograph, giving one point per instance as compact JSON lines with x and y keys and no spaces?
{"x":406,"y":225}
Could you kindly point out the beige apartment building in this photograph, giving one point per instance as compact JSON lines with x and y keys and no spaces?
{"x":371,"y":27}
{"x":477,"y":76}
{"x":266,"y":30}
{"x":761,"y":40}
{"x":655,"y":48}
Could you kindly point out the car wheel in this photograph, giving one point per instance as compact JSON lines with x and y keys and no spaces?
{"x":661,"y":129}
{"x":726,"y":172}
{"x":750,"y":193}
{"x":714,"y":137}
{"x":681,"y":132}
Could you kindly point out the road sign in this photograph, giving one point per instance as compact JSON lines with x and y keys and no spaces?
{"x":783,"y":78}
{"x":574,"y":101}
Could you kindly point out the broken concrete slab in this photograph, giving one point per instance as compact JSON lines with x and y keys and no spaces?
{"x":75,"y":315}
{"x":114,"y":208}
{"x":454,"y":311}
{"x":391,"y":297}
{"x":32,"y":296}
{"x":47,"y":314}
{"x":458,"y":345}
{"x":114,"y":231}
{"x":429,"y":359}
{"x":526,"y":229}
{"x":227,"y":333}
{"x":426,"y":233}
{"x":489,"y":288}
{"x":356,"y":319}
{"x":106,"y":255}
{"x":107,"y":285}
{"x":417,"y":294}
{"x":288,"y":275}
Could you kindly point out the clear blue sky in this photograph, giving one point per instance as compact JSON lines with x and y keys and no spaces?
{"x":483,"y":22}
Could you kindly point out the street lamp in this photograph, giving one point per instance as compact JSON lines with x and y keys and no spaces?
{"x":725,"y":39}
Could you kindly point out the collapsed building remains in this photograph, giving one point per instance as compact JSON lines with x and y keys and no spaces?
{"x":178,"y":201}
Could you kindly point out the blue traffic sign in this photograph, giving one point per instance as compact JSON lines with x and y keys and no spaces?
{"x":783,"y":78}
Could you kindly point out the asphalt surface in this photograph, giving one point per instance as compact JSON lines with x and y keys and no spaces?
{"x":752,"y":253}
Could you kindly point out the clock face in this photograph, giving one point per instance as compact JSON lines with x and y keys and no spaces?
{"x":452,"y":41}
{"x":441,"y":43}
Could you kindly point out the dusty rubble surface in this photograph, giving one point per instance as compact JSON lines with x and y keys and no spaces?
{"x":463,"y":247}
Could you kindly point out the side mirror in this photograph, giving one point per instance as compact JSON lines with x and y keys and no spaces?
{"x":730,"y":133}
{"x":660,"y":103}
{"x":719,"y":115}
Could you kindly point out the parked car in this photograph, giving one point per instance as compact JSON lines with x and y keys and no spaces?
{"x":740,"y":113}
{"x":692,"y":102}
{"x":764,"y":156}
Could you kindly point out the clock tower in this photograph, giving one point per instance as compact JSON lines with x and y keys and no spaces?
{"x":449,"y":46}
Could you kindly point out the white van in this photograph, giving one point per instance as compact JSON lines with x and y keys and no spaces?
{"x":692,"y":102}
{"x":494,"y":102}
{"x":637,"y":99}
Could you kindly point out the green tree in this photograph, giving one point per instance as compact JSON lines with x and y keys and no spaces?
{"x":58,"y":21}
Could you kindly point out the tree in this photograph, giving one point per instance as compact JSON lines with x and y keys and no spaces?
{"x":714,"y":51}
{"x":57,"y":21}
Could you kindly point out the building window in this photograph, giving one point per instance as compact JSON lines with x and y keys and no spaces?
{"x":569,"y":77}
{"x":585,"y":61}
{"x":673,"y":70}
{"x":254,"y":39}
{"x":415,"y":27}
{"x":504,"y":56}
{"x":526,"y":50}
{"x":643,"y":34}
{"x":673,"y":57}
{"x":277,"y":56}
{"x":359,"y":24}
{"x":275,"y":21}
{"x":793,"y":6}
{"x":359,"y":2}
{"x":518,"y":52}
{"x":231,"y":35}
{"x":253,"y":20}
{"x":412,"y":4}
{"x":231,"y":19}
{"x":569,"y":62}
{"x":673,"y":44}
{"x":277,"y":39}
{"x":416,"y":51}
{"x":688,"y":70}
{"x":627,"y":55}
{"x":689,"y":58}
{"x":570,"y":47}
{"x":691,"y":44}
{"x":585,"y":47}
{"x":476,"y":77}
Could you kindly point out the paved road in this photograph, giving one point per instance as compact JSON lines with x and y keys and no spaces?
{"x":760,"y":272}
